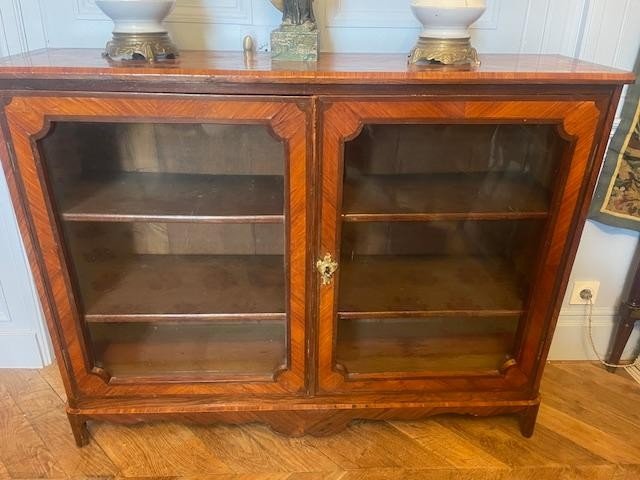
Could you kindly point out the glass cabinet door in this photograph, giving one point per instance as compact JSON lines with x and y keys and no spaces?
{"x":175,"y":239}
{"x":175,"y":236}
{"x":440,"y":232}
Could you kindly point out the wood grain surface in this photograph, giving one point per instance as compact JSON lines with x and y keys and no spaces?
{"x":588,"y":429}
{"x":331,"y":68}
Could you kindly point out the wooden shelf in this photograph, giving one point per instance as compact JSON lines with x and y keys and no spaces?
{"x":182,"y":318}
{"x":152,"y":351}
{"x":452,"y":196}
{"x":430,"y":345}
{"x":128,"y":197}
{"x":166,"y":288}
{"x":384,"y":286}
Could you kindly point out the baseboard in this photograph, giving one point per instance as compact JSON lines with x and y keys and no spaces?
{"x":20,"y":349}
{"x":570,"y":341}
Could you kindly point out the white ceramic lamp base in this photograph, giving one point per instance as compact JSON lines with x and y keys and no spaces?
{"x":445,"y":38}
{"x":138,"y":33}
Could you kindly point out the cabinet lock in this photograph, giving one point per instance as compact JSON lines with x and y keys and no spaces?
{"x":326,"y":267}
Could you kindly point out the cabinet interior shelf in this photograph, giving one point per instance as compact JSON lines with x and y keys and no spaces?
{"x":450,"y":196}
{"x":187,"y":318}
{"x":417,"y":315}
{"x":154,"y":351}
{"x":135,"y":196}
{"x":438,"y":345}
{"x":423,"y":286}
{"x":183,"y":288}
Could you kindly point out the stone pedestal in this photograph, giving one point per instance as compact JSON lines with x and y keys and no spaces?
{"x":295,"y":43}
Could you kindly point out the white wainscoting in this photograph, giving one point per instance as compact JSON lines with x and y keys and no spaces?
{"x":602,"y":31}
{"x":4,"y":309}
{"x":24,"y":342}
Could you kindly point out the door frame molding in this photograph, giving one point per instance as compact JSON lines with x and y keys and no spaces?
{"x":578,"y":121}
{"x":29,"y":118}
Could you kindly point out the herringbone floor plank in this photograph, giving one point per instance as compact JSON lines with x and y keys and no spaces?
{"x":588,"y":429}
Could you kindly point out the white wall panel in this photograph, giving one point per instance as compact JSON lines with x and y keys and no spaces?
{"x":21,"y":349}
{"x":22,"y":26}
{"x":23,"y":338}
{"x":388,"y":14}
{"x":552,"y":26}
{"x":499,"y":30}
{"x":194,"y":11}
{"x":571,"y":342}
{"x":611,"y":32}
{"x":345,"y":25}
{"x":629,"y":38}
{"x":529,"y":26}
{"x":4,"y":308}
{"x":220,"y":24}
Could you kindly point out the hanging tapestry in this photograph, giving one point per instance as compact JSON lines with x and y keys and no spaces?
{"x":617,"y":198}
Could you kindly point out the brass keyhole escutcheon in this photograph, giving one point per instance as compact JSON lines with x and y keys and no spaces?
{"x":327,"y":267}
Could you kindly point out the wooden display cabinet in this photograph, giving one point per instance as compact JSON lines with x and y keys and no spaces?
{"x":213,"y":242}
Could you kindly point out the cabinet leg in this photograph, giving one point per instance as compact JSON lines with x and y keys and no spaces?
{"x":528,"y":420}
{"x":625,"y":327}
{"x":79,"y":429}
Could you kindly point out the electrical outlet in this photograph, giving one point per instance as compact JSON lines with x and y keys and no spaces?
{"x":578,"y":287}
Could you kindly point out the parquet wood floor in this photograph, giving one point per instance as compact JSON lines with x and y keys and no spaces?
{"x":588,"y":428}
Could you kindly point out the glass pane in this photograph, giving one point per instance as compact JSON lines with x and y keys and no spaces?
{"x":441,"y":229}
{"x":446,"y":344}
{"x":426,"y":266}
{"x":171,"y":270}
{"x":450,"y":169}
{"x":118,"y":172}
{"x":148,"y":349}
{"x":175,"y":236}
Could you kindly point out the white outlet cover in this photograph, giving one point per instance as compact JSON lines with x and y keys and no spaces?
{"x":592,"y":285}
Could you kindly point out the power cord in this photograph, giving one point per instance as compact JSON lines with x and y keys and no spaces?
{"x":588,"y":297}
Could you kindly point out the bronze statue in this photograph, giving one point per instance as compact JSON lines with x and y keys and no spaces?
{"x":297,"y":38}
{"x":298,"y":12}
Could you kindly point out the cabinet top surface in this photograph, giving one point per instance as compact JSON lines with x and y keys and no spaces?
{"x":332,"y":68}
